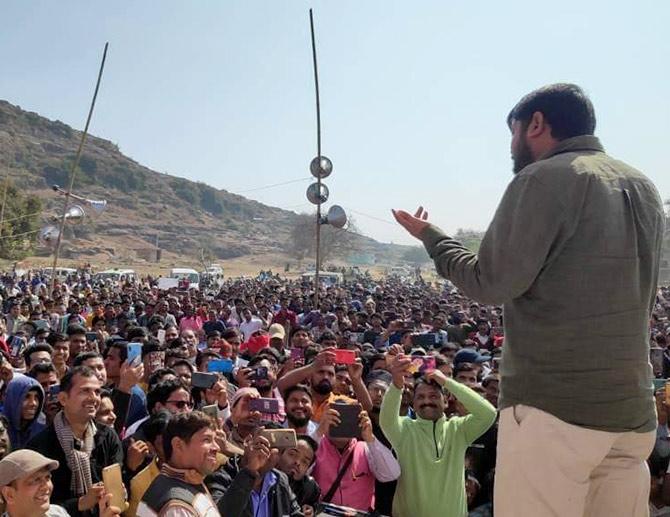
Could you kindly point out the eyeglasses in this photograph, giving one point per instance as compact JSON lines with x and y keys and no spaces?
{"x":181,"y":404}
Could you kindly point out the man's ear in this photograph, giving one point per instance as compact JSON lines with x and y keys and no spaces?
{"x":7,"y":493}
{"x":62,"y":397}
{"x":537,"y":125}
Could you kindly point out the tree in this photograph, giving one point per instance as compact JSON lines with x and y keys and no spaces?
{"x":19,"y":225}
{"x":335,"y":242}
{"x":416,"y":255}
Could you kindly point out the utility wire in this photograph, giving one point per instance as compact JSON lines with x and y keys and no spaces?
{"x":272,"y":186}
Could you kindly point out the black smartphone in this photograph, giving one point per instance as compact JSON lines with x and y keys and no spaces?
{"x":91,"y":336}
{"x":259,"y":373}
{"x":348,"y":427}
{"x":424,"y":340}
{"x":203,"y":380}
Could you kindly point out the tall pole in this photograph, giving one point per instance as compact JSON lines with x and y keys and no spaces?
{"x":318,"y":153}
{"x":4,"y":200}
{"x":73,"y":172}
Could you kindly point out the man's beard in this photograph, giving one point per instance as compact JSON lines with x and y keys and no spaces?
{"x":522,"y":157}
{"x":324,"y":387}
{"x":297,"y":421}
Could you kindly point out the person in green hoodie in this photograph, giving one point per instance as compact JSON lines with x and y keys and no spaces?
{"x":431,"y":449}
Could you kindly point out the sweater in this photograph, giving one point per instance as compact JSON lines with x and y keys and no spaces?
{"x":432,"y":454}
{"x":573,"y":253}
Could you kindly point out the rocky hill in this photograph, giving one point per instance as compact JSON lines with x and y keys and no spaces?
{"x":144,"y":206}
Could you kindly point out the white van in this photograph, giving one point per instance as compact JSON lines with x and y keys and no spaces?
{"x":62,"y":273}
{"x":116,"y":275}
{"x":183,"y":273}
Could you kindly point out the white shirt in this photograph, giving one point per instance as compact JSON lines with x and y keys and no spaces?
{"x":249,"y":327}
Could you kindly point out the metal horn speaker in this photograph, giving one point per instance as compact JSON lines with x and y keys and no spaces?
{"x":48,"y":236}
{"x":75,"y":215}
{"x":336,"y":217}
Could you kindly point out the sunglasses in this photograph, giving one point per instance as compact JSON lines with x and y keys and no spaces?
{"x":181,"y":404}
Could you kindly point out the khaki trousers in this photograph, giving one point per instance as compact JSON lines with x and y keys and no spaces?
{"x":549,"y":468}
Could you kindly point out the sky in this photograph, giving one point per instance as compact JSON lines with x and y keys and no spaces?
{"x":414,"y":95}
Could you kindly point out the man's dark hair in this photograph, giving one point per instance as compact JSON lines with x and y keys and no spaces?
{"x":161,"y":392}
{"x":311,"y":442}
{"x":82,"y":358}
{"x":55,"y":337}
{"x":158,"y":374}
{"x":327,"y":336}
{"x":156,"y":425}
{"x":120,"y":345}
{"x":41,"y":347}
{"x":41,"y":368}
{"x":565,"y":107}
{"x":184,"y":426}
{"x":298,"y":387}
{"x":228,"y":333}
{"x":152,"y":346}
{"x":202,"y":355}
{"x":134,"y":332}
{"x":75,"y":330}
{"x":183,"y":362}
{"x":68,"y":379}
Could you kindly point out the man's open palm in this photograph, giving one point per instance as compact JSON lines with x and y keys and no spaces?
{"x":414,"y":224}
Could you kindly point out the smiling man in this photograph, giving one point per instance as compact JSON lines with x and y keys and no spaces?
{"x":81,"y":447}
{"x":431,"y":449}
{"x":190,"y":447}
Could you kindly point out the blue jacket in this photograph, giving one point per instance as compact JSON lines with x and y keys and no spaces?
{"x":17,"y":389}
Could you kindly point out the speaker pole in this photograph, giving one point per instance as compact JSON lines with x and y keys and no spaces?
{"x":73,"y":172}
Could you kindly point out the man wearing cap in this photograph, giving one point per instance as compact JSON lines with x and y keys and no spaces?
{"x":277,"y":341}
{"x":26,"y":487}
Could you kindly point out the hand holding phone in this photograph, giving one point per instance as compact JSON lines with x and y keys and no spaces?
{"x":111,"y":477}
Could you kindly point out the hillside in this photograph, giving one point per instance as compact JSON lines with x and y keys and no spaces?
{"x":144,"y":206}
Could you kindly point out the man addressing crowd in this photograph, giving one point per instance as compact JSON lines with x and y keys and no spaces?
{"x":573,"y":254}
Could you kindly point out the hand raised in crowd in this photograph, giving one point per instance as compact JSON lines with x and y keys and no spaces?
{"x":356,"y":370}
{"x":104,"y":508}
{"x":365,"y":425}
{"x":92,"y":497}
{"x":137,"y":453}
{"x":400,"y":369}
{"x":325,"y":357}
{"x":220,"y":390}
{"x":130,"y":376}
{"x":437,"y":376}
{"x":257,"y":453}
{"x":330,"y":417}
{"x":395,"y":350}
{"x":243,"y":377}
{"x":414,"y":224}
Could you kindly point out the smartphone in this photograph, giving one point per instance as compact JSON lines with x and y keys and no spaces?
{"x":17,"y":345}
{"x":54,"y":391}
{"x":134,"y":354}
{"x":424,"y":340}
{"x":297,"y":354}
{"x":259,"y":373}
{"x":345,"y":356}
{"x":211,"y":411}
{"x":280,"y":438}
{"x":220,"y":365}
{"x":161,"y":336}
{"x":667,"y":393}
{"x":267,"y":406}
{"x":91,"y":336}
{"x":111,"y":477}
{"x":203,"y":380}
{"x":422,"y":364}
{"x":348,"y":427}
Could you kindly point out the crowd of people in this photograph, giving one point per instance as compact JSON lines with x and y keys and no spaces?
{"x":253,"y":401}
